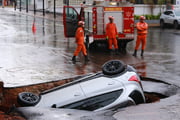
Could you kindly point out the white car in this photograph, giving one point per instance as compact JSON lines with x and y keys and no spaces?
{"x":118,"y":85}
{"x":171,"y":17}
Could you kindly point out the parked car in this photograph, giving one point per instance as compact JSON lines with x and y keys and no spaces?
{"x":117,"y":85}
{"x":171,"y":17}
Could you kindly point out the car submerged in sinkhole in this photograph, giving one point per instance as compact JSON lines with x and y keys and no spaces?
{"x":116,"y":86}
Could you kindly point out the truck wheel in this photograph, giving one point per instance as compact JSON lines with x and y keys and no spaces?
{"x":113,"y":67}
{"x":27,"y":99}
{"x":93,"y":46}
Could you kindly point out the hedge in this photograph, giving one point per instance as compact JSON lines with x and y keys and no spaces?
{"x":148,"y":17}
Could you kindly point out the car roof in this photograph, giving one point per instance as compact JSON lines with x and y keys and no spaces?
{"x":84,"y":78}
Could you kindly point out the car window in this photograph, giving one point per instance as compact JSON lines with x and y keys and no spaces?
{"x":57,"y":96}
{"x":95,"y":102}
{"x":71,"y":13}
{"x":168,"y":12}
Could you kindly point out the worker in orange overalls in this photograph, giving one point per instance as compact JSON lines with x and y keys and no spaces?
{"x":80,"y":42}
{"x":112,"y":34}
{"x":142,"y":27}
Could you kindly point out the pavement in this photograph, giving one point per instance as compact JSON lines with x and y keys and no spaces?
{"x":165,"y":109}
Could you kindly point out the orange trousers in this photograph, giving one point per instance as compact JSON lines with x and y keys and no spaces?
{"x":80,"y":47}
{"x":113,"y":41}
{"x":141,"y":39}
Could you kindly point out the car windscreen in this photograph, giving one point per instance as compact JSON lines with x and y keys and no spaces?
{"x":177,"y":12}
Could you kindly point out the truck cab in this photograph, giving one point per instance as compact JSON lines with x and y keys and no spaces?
{"x":95,"y":16}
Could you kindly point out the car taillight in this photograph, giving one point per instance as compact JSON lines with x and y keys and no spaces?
{"x":134,"y":78}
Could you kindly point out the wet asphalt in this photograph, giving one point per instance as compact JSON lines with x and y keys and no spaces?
{"x":29,"y":57}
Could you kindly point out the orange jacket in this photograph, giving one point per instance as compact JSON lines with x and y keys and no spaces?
{"x":111,"y":30}
{"x":142,"y":28}
{"x":80,"y":35}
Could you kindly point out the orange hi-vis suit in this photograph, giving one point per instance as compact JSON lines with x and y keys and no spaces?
{"x":141,"y":34}
{"x":111,"y":33}
{"x":80,"y":42}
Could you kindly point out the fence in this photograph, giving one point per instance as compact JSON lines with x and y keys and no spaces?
{"x":140,"y":9}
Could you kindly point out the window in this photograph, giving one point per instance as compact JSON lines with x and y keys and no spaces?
{"x":95,"y":102}
{"x":70,"y":12}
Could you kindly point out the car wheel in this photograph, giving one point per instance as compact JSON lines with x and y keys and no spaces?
{"x":162,"y":24}
{"x":137,"y":97}
{"x":176,"y":25}
{"x":113,"y":67}
{"x":27,"y":99}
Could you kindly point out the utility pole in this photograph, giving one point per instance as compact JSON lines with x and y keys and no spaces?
{"x":20,"y":6}
{"x":67,"y":2}
{"x":54,"y":8}
{"x":26,"y":5}
{"x":34,"y":7}
{"x":43,"y":9}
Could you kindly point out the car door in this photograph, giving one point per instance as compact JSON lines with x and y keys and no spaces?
{"x":168,"y":17}
{"x":171,"y":17}
{"x":61,"y":96}
{"x":100,"y":86}
{"x":70,"y":21}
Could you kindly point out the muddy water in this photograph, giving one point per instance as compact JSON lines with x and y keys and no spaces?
{"x":44,"y":54}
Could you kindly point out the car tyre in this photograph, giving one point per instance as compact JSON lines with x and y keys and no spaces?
{"x":27,"y":99}
{"x":113,"y":67}
{"x":176,"y":25}
{"x":137,"y":97}
{"x":162,"y":24}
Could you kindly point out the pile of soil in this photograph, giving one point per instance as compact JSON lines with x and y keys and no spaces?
{"x":10,"y":116}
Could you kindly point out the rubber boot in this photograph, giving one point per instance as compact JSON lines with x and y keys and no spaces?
{"x":86,"y":58}
{"x":74,"y":58}
{"x":135,"y":53}
{"x":142,"y":52}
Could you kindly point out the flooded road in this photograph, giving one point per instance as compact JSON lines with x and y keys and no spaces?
{"x":45,"y":55}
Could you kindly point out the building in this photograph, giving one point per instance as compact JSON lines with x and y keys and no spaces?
{"x":142,"y":7}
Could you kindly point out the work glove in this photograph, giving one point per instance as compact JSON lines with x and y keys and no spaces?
{"x":106,"y":38}
{"x":117,"y":37}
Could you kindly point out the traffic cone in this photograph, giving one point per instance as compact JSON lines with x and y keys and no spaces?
{"x":34,"y":28}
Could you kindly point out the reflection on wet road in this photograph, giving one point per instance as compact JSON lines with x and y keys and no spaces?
{"x":28,"y":58}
